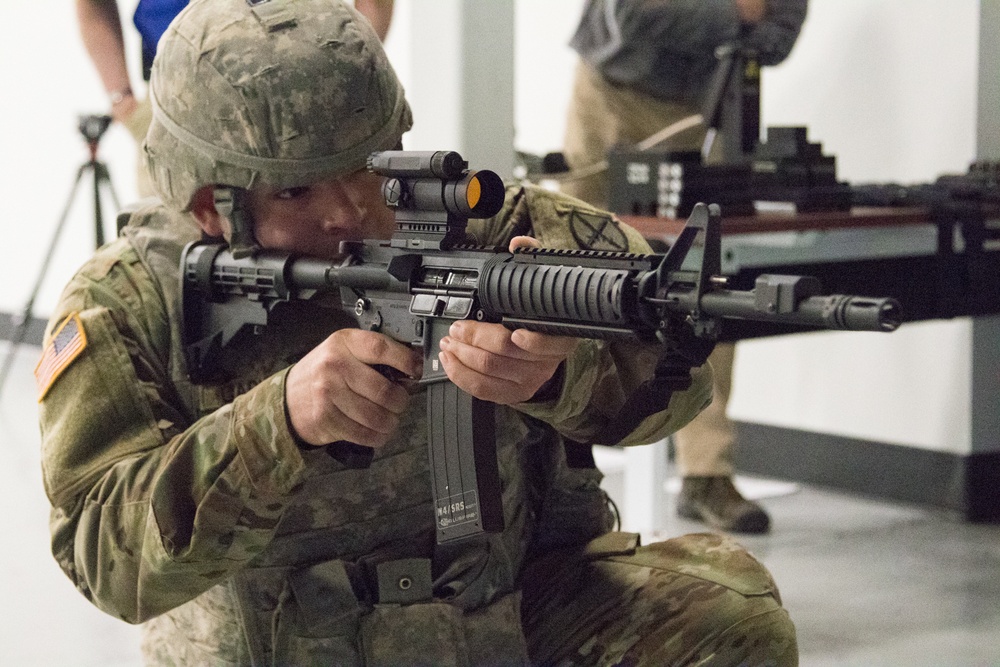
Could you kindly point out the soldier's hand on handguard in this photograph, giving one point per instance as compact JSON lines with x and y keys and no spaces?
{"x":335,"y":392}
{"x":493,"y":363}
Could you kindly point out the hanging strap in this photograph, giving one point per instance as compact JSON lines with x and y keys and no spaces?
{"x":673,"y":373}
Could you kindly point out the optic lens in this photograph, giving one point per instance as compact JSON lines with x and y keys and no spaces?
{"x":473,"y":192}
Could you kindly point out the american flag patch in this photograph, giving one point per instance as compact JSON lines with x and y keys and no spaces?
{"x":65,"y":345}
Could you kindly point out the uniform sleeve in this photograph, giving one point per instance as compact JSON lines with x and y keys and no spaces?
{"x":777,"y":33}
{"x":150,"y":509}
{"x":699,"y":26}
{"x":600,"y":376}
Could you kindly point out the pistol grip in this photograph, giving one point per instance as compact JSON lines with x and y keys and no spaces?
{"x":350,"y":454}
{"x":390,"y":373}
{"x":353,"y":455}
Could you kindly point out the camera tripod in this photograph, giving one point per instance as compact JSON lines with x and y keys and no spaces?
{"x":92,"y":127}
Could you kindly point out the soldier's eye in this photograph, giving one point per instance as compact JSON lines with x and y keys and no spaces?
{"x":292,"y":193}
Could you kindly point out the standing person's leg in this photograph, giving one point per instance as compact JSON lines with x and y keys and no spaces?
{"x":591,"y":127}
{"x":705,"y":446}
{"x":693,"y":600}
{"x":602,"y":115}
{"x":704,"y":454}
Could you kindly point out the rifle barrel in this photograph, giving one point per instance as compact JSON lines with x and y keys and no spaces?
{"x":836,"y":311}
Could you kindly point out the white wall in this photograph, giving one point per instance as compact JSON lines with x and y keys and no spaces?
{"x":460,"y":78}
{"x":544,"y":71}
{"x":46,"y":82}
{"x":888,"y":86}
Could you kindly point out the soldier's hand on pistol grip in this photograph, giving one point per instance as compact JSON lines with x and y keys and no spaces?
{"x":334,"y":393}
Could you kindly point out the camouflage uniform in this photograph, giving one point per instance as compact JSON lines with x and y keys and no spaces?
{"x":193,"y":508}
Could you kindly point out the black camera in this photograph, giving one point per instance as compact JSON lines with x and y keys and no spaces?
{"x":93,"y":126}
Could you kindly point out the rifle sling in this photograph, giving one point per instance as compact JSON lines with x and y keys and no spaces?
{"x":673,"y":373}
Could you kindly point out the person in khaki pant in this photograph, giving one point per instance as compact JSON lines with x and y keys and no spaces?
{"x":643,"y":67}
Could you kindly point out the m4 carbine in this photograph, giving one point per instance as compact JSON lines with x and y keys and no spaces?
{"x":412,"y":286}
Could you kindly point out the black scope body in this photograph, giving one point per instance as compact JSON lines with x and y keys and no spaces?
{"x":445,"y":165}
{"x":437,"y":181}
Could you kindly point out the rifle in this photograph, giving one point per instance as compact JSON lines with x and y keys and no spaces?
{"x":979,"y":185}
{"x":412,"y":286}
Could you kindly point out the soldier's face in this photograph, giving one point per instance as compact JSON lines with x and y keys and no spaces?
{"x":314,"y":219}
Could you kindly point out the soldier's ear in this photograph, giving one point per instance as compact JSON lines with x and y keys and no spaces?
{"x":203,"y":210}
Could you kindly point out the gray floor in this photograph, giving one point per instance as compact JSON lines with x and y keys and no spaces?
{"x":868,"y":583}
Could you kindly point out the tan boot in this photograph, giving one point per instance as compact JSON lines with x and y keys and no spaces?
{"x":716,"y":502}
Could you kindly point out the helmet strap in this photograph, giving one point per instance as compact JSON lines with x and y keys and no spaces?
{"x":231,"y":203}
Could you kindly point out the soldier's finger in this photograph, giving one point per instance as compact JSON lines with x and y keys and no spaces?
{"x":369,"y":386}
{"x":523,"y":242}
{"x":544,"y":345}
{"x":487,"y":336}
{"x":481,"y":385}
{"x":486,"y":362}
{"x":373,"y":348}
{"x":343,"y":427}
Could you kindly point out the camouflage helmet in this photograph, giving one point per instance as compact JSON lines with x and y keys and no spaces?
{"x":281,"y":92}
